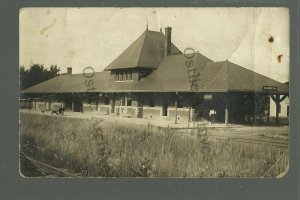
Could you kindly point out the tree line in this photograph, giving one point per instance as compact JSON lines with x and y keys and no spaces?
{"x":35,"y":74}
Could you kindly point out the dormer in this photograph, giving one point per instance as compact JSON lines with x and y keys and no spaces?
{"x":143,"y":56}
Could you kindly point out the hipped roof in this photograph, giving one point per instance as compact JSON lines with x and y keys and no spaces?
{"x":231,"y":77}
{"x":171,"y":76}
{"x":147,"y":52}
{"x":172,"y":73}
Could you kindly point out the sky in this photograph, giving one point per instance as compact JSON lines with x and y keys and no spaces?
{"x":255,"y":38}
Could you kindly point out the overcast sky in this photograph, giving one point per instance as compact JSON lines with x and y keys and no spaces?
{"x":80,"y":37}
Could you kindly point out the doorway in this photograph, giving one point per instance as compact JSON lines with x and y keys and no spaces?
{"x":77,"y":103}
{"x":165,"y":104}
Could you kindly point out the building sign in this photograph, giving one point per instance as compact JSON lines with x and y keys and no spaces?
{"x":208,"y":97}
{"x":270,"y":88}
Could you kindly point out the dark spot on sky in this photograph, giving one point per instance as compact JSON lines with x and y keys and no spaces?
{"x":279,"y":57}
{"x":271,"y":39}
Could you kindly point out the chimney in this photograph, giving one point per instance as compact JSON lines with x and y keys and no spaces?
{"x":167,"y":50}
{"x":69,"y":70}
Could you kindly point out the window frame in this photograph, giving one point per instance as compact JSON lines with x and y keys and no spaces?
{"x":123,"y":75}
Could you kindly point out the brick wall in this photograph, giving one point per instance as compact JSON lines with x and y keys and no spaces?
{"x":152,"y":112}
{"x":42,"y":105}
{"x":183,"y":114}
{"x":55,"y":105}
{"x":128,"y":111}
{"x":104,"y":109}
{"x":89,"y":107}
{"x":26,"y":105}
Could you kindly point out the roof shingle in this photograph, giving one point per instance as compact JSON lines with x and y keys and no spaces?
{"x":147,"y":52}
{"x":170,"y":74}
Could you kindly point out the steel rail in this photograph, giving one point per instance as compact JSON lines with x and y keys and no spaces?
{"x":41,"y":164}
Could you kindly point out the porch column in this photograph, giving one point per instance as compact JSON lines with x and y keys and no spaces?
{"x":176,"y":111}
{"x":277,"y":102}
{"x":190,"y":109}
{"x":72,"y":102}
{"x":268,"y":119}
{"x":226,"y":110}
{"x":97,"y":102}
{"x":125,"y":108}
{"x":136,"y":102}
{"x":276,"y":98}
{"x":45,"y":102}
{"x":226,"y":115}
{"x":30,"y":102}
{"x":81,"y":99}
{"x":112,"y":103}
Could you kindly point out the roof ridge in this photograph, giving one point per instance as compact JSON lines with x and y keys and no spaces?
{"x":254,"y":72}
{"x":216,"y":74}
{"x":138,"y":62}
{"x":216,"y":62}
{"x":197,"y":52}
{"x":144,"y":33}
{"x":227,"y":74}
{"x":153,"y":31}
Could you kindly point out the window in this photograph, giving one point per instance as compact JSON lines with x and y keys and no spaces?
{"x":123,"y":75}
{"x":116,"y":76}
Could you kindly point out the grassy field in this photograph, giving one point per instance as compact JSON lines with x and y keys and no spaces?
{"x":96,"y":148}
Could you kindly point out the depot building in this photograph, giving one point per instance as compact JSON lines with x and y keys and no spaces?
{"x":153,"y":79}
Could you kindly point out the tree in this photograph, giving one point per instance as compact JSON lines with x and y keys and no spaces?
{"x":36,"y":74}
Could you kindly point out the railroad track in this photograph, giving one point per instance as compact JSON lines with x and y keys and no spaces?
{"x":251,"y":139}
{"x":48,"y":170}
{"x":278,"y":143}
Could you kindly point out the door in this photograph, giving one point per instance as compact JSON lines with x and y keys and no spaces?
{"x":165,"y":106}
